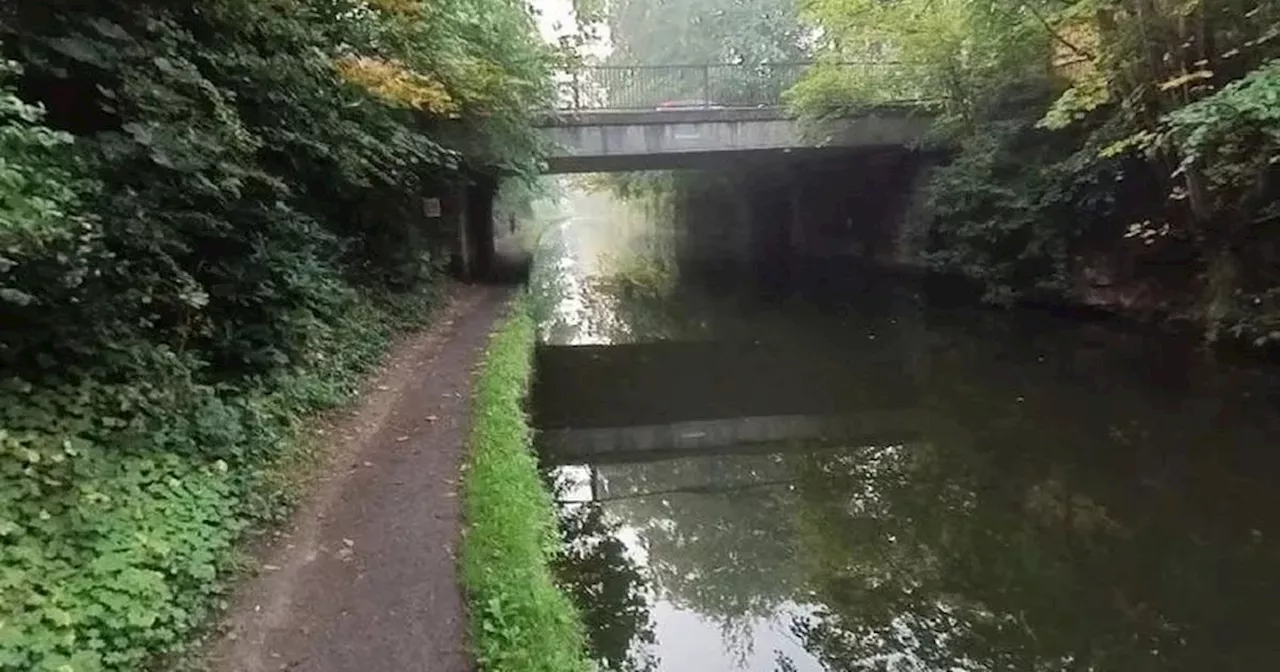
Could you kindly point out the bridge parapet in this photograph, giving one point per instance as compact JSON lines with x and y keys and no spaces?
{"x":693,"y":86}
{"x":647,"y":117}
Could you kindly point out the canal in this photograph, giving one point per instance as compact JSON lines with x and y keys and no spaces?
{"x":863,"y":479}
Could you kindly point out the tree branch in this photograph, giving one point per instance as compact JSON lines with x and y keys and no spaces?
{"x":1057,"y":35}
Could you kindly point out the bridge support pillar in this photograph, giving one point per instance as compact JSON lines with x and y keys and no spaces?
{"x":795,"y":221}
{"x":476,"y":228}
{"x":764,"y":263}
{"x":469,"y":208}
{"x":912,"y":227}
{"x":455,"y":205}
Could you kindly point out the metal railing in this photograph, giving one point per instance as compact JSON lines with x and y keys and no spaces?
{"x":648,"y":87}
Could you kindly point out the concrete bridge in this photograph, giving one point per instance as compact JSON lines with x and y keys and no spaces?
{"x":625,"y":118}
{"x":663,"y":139}
{"x":647,"y":117}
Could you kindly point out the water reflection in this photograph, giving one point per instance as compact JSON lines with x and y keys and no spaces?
{"x":720,"y":575}
{"x":928,"y":558}
{"x":1071,"y":498}
{"x":610,"y":585}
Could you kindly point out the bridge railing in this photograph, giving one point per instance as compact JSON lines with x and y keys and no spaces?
{"x":648,"y":87}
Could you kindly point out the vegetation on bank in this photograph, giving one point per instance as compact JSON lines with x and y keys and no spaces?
{"x":521,"y":621}
{"x":1126,"y":149}
{"x":209,"y":224}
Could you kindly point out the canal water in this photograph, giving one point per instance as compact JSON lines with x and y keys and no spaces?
{"x":862,"y":480}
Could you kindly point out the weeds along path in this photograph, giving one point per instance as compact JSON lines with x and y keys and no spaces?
{"x":365,"y":579}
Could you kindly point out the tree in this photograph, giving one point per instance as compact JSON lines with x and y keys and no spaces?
{"x":758,"y":39}
{"x":1086,"y":100}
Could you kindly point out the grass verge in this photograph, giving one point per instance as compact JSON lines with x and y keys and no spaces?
{"x":520,"y":621}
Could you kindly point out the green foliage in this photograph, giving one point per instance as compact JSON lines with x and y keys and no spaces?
{"x":35,"y":193}
{"x":121,"y":502}
{"x":520,"y":620}
{"x":207,"y":229}
{"x":834,"y":89}
{"x":1077,"y":102}
{"x":1230,"y":141}
{"x":952,"y":53}
{"x":1008,"y":211}
{"x":683,"y":32}
{"x":1157,"y":125}
{"x":1233,"y":136}
{"x":754,"y":34}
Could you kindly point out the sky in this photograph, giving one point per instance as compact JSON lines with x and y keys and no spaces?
{"x":556,"y":19}
{"x":552,"y":12}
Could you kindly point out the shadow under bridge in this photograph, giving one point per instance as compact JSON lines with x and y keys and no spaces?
{"x":637,"y":402}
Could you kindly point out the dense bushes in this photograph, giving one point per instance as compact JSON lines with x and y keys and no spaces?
{"x":1229,"y":149}
{"x":1009,"y":208}
{"x":208,"y":223}
{"x":1123,"y":148}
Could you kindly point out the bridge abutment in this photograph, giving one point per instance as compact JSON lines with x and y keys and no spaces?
{"x":469,"y":210}
{"x":807,"y":221}
{"x":480,"y":225}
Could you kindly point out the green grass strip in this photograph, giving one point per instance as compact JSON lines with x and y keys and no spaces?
{"x":520,"y":620}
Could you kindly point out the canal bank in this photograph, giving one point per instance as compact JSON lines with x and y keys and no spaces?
{"x":428,"y":538}
{"x":1031,"y":487}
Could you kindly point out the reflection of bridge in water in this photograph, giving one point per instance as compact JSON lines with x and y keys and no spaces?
{"x":640,"y":402}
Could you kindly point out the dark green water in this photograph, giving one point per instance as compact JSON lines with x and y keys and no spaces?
{"x":884,"y":485}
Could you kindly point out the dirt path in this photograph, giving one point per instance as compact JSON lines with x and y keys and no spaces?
{"x":365,"y":581}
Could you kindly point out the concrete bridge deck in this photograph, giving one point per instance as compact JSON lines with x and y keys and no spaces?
{"x":646,"y":117}
{"x":602,"y":141}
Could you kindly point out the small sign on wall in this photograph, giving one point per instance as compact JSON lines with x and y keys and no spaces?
{"x":431,"y":207}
